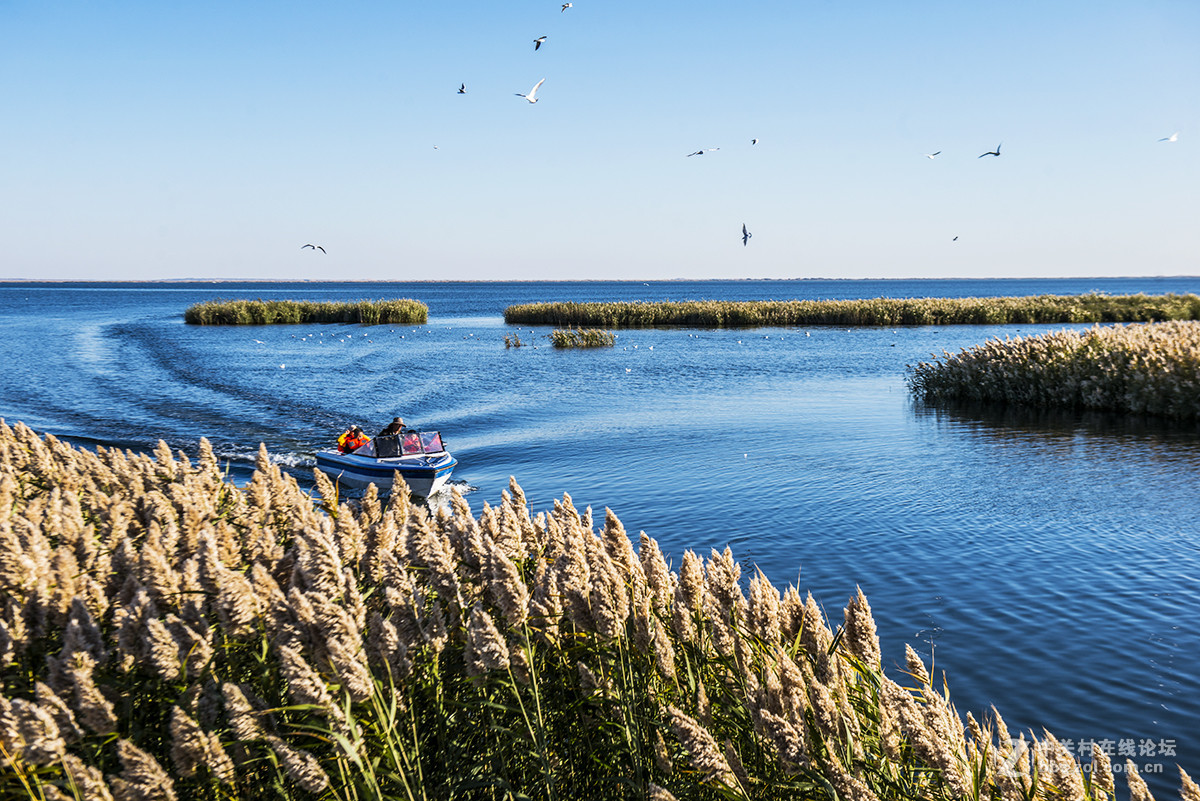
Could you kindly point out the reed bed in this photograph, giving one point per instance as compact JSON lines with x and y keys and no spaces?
{"x":284,"y":312}
{"x":1147,"y":369}
{"x":1091,"y":308}
{"x":160,"y":626}
{"x":582,"y":338}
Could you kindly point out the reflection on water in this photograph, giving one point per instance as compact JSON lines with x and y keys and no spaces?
{"x":1019,"y":422}
{"x":1099,"y":469}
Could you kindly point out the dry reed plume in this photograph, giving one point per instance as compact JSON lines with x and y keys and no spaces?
{"x":1151,"y":368}
{"x":165,"y":634}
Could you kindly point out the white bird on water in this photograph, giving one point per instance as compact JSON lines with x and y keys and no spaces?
{"x":532,"y":96}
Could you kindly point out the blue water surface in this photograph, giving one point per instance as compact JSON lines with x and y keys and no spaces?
{"x":1048,"y":562}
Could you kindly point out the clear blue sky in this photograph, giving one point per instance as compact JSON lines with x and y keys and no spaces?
{"x":146,"y":140}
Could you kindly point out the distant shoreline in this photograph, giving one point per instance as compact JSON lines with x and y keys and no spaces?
{"x":57,"y":281}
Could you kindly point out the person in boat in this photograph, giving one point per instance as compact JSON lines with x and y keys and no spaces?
{"x":394,"y":427}
{"x":352,"y":440}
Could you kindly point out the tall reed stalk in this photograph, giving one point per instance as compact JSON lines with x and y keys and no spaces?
{"x":165,"y":634}
{"x":281,"y":312}
{"x":1090,"y":308}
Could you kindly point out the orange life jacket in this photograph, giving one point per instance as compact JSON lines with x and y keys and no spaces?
{"x":351,"y":442}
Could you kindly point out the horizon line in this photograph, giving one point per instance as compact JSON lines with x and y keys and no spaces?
{"x":573,"y":280}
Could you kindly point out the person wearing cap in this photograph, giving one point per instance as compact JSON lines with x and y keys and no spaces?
{"x":352,"y":440}
{"x":394,"y":427}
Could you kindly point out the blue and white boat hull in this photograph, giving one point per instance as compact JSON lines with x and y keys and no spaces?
{"x":424,"y":474}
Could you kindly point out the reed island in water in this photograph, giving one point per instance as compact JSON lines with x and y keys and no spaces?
{"x":581,"y":338}
{"x":277,"y":312}
{"x":1089,"y":308}
{"x":1145,"y":369}
{"x":161,"y":625}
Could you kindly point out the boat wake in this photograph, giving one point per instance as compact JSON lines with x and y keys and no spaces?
{"x":241,"y":456}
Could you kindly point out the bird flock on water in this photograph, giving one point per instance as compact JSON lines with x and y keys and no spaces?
{"x":531,"y":97}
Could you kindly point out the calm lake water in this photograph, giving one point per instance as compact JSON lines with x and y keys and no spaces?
{"x":1047,"y":562}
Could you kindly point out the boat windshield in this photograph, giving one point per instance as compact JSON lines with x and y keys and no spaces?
{"x":411,"y":443}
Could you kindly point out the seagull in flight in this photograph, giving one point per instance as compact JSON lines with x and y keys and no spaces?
{"x":754,"y":141}
{"x":538,"y":42}
{"x":314,"y":247}
{"x":697,"y":153}
{"x":937,"y":153}
{"x":532,"y":96}
{"x":995,"y":152}
{"x":745,"y":235}
{"x":566,"y":6}
{"x":1172,"y":138}
{"x":462,"y":90}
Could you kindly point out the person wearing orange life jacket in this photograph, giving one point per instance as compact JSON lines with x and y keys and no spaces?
{"x":352,"y":440}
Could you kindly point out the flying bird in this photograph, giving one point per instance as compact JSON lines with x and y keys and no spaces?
{"x":462,"y":90}
{"x":314,"y":247}
{"x":955,"y":239}
{"x":1172,"y":138}
{"x":995,"y":152}
{"x":754,"y":141}
{"x":745,"y":235}
{"x":538,"y":42}
{"x":697,"y":153}
{"x":566,"y":6}
{"x":532,"y":96}
{"x":938,"y":153}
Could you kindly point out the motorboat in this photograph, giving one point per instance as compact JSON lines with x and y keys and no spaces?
{"x":418,"y":457}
